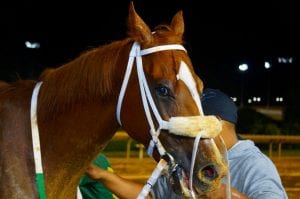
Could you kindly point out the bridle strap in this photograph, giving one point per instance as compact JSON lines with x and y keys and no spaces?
{"x":161,"y":48}
{"x":129,"y":67}
{"x":36,"y":143}
{"x":135,"y":54}
{"x":152,"y":179}
{"x":195,"y":150}
{"x":184,"y":75}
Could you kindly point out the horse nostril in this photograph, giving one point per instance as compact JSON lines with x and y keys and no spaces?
{"x":209,"y":172}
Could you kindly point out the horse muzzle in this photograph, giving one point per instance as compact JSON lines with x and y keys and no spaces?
{"x":206,"y":180}
{"x":209,"y":169}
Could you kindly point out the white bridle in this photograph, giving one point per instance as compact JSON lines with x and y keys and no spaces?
{"x":192,"y":126}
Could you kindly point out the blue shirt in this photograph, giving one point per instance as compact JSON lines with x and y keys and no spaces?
{"x":251,"y":172}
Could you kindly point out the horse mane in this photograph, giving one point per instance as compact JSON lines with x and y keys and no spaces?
{"x":87,"y":77}
{"x":90,"y":77}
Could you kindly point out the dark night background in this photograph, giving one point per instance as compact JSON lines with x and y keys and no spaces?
{"x":219,"y":37}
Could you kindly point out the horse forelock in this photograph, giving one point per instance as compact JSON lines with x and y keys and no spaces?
{"x":162,"y":37}
{"x":169,"y":61}
{"x":163,"y":34}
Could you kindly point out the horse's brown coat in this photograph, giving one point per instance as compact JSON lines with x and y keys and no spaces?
{"x":77,"y":110}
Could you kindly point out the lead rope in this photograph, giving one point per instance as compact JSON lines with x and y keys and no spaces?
{"x":40,"y":183}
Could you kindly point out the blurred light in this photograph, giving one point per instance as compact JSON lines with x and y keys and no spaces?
{"x":267,"y":65}
{"x":256,"y":99}
{"x":32,"y":45}
{"x":234,"y":99}
{"x":285,"y":60}
{"x":279,"y":99}
{"x":249,"y":101}
{"x":243,"y":67}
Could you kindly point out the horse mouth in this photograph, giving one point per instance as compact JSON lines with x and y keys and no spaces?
{"x":207,"y":181}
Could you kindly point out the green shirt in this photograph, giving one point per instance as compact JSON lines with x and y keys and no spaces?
{"x":92,"y":189}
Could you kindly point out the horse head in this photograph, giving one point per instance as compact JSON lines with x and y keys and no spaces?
{"x":169,"y":112}
{"x":70,"y":115}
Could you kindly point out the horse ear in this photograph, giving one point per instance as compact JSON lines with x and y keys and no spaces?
{"x":177,"y":24}
{"x":137,"y":28}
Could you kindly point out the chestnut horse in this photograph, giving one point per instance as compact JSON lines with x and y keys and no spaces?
{"x":76,"y":114}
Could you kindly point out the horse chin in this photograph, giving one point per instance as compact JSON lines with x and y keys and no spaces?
{"x":180,"y":184}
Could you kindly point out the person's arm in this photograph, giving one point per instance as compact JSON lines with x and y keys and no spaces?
{"x":220,"y":193}
{"x":121,"y":187}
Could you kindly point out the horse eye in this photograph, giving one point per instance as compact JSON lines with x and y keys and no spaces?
{"x":162,"y":91}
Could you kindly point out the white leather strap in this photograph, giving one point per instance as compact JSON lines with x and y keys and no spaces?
{"x":35,"y":130}
{"x":153,"y":178}
{"x":125,"y":80}
{"x":185,"y":75}
{"x":195,"y":151}
{"x":162,"y":47}
{"x":135,"y":54}
{"x":40,"y":183}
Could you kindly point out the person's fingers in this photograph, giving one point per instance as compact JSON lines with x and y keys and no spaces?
{"x":94,"y":172}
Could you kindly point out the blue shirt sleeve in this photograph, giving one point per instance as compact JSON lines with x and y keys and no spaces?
{"x":163,"y":190}
{"x":253,"y":173}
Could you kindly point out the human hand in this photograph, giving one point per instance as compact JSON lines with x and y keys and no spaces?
{"x":94,"y":172}
{"x":220,"y":193}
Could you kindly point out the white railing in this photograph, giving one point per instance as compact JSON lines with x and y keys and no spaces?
{"x":258,"y":139}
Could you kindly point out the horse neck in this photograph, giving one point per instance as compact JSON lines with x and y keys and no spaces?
{"x":77,"y":108}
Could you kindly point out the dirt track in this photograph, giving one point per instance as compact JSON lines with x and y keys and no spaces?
{"x":140,"y":169}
